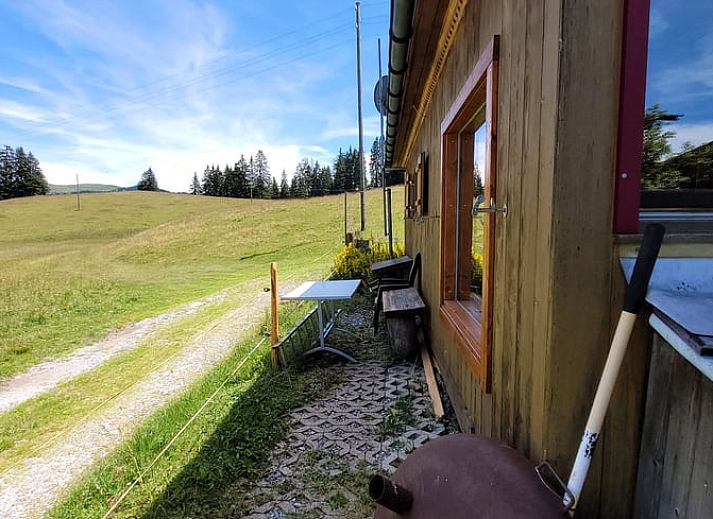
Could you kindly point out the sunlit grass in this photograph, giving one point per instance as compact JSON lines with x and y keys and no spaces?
{"x":69,"y":276}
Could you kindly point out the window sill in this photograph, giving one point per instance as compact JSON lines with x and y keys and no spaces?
{"x":460,"y":318}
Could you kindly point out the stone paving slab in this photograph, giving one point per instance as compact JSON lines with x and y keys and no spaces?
{"x":369,"y":423}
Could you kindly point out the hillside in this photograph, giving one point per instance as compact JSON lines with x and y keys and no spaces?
{"x":69,"y":275}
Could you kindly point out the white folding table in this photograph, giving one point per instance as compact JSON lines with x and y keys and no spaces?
{"x":322,"y":291}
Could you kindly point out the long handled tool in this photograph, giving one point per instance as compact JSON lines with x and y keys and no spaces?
{"x":635,"y":294}
{"x":467,"y":476}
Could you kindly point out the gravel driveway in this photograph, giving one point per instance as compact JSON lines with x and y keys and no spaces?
{"x":30,"y":489}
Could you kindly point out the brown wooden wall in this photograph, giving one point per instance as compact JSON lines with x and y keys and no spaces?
{"x":556,"y":277}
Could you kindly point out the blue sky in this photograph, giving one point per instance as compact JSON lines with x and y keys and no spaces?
{"x":106,"y":89}
{"x":680,"y":66}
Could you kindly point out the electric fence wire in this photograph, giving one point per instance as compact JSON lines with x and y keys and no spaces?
{"x":173,"y":440}
{"x":193,"y":417}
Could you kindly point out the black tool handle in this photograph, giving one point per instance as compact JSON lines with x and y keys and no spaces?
{"x":645,"y":261}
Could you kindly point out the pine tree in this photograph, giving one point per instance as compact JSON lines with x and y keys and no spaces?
{"x":284,"y":186}
{"x":241,"y":178}
{"x":212,"y":181}
{"x":261,"y":172}
{"x":195,"y":185}
{"x":148,"y":181}
{"x":376,"y":162}
{"x":340,"y":172}
{"x":20,"y":174}
{"x":8,"y":171}
{"x":275,"y":189}
{"x":231,"y":184}
{"x":326,"y":180}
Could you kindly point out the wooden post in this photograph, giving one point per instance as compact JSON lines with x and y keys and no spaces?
{"x":274,"y":310}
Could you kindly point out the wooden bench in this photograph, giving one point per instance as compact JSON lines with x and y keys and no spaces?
{"x":392,"y":268}
{"x":400,"y":308}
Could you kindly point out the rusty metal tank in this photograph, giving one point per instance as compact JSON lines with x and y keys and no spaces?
{"x":464,"y":476}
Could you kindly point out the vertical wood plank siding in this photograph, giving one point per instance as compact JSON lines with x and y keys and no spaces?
{"x":555,"y":266}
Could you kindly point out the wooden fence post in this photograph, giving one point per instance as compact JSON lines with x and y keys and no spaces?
{"x":275,"y":318}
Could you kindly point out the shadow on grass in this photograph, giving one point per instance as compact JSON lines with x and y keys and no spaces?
{"x":216,"y":481}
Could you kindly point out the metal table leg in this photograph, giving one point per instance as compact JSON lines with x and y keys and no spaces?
{"x":323,"y":332}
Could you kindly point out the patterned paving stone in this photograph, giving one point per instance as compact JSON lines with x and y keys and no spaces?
{"x":369,"y":423}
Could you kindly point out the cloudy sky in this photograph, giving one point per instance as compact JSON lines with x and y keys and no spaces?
{"x":680,"y":67}
{"x":106,"y":89}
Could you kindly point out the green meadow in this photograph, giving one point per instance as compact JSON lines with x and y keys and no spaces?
{"x":67,"y":277}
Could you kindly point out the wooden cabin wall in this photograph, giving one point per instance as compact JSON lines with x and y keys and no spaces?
{"x":527,"y":101}
{"x":556,"y":276}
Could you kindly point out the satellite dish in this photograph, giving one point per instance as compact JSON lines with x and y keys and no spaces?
{"x":381,"y":94}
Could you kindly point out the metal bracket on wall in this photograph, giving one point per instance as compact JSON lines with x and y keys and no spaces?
{"x":491,"y":209}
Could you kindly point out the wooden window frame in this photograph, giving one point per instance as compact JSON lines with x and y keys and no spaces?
{"x":629,"y":199}
{"x":473,"y":335}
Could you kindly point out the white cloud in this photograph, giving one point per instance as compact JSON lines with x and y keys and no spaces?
{"x":372,"y":129}
{"x":20,"y":111}
{"x":124,"y":95}
{"x":696,"y":134}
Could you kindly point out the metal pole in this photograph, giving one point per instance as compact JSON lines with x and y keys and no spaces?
{"x":381,"y":150}
{"x":275,"y":308}
{"x":79,"y":203}
{"x":391,"y":234}
{"x":362,"y":175}
{"x":345,"y":217}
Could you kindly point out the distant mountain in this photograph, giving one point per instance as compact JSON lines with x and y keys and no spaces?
{"x":83,"y":188}
{"x":90,"y":188}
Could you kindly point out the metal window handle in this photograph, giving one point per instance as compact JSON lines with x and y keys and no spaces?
{"x":491,"y":209}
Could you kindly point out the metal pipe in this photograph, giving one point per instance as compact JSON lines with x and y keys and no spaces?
{"x":400,"y":35}
{"x":362,"y":173}
{"x":391,"y":229}
{"x":390,"y":495}
{"x":382,"y":159}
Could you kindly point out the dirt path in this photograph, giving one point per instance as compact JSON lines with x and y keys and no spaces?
{"x":47,"y":375}
{"x":29,"y":489}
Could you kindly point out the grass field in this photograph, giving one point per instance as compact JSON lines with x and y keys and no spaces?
{"x":69,"y":276}
{"x":206,"y":472}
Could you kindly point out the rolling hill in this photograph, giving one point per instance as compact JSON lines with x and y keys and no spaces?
{"x":68,"y":276}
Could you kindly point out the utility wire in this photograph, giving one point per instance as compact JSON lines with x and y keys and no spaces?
{"x":204,"y":77}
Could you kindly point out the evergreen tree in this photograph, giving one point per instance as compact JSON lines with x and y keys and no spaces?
{"x":326,"y":180}
{"x":8,"y":172}
{"x":275,"y":189}
{"x":20,"y":174}
{"x":284,"y":186}
{"x":340,"y":167}
{"x":212,"y":181}
{"x":263,"y":179}
{"x":148,"y":181}
{"x":231,"y":182}
{"x":376,"y":162}
{"x":195,"y":185}
{"x":654,"y":173}
{"x":241,"y":178}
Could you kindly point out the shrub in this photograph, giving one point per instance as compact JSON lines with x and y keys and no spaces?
{"x":476,"y":274}
{"x":352,"y":263}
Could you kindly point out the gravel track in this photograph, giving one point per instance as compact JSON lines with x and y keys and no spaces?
{"x":29,"y":489}
{"x":49,"y":374}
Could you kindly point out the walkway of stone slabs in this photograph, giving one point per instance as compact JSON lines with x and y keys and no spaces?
{"x":367,"y":424}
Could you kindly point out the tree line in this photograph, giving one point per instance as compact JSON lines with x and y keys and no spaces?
{"x":251,"y":178}
{"x":20,"y":174}
{"x":692,"y":168}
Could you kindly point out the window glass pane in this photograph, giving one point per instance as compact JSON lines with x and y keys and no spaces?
{"x":677,"y":168}
{"x":479,"y":181}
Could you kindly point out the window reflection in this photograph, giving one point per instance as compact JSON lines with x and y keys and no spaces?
{"x":678,"y":126}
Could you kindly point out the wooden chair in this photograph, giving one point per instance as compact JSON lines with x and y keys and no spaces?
{"x":386,"y":284}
